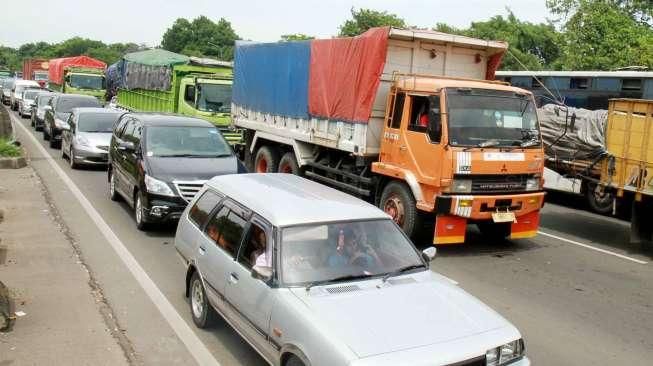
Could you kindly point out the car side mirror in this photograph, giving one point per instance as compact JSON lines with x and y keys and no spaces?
{"x":126,"y":146}
{"x":262,"y":273}
{"x":429,"y":253}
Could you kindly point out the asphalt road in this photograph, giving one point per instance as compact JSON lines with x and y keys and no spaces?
{"x":578,"y":293}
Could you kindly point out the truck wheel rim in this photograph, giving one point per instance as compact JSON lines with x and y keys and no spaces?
{"x":262,"y":166}
{"x":395,"y":208}
{"x":197,"y":299}
{"x":285,"y":168}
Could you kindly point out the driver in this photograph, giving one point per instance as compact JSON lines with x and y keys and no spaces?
{"x":350,"y":251}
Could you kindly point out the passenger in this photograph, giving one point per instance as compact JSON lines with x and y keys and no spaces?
{"x":259,"y":255}
{"x":349,"y":250}
{"x":212,"y":232}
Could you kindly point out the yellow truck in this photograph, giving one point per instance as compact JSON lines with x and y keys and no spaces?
{"x":629,"y":168}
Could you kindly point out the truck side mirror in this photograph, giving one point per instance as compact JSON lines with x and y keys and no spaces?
{"x":190,"y":93}
{"x":435,"y":119}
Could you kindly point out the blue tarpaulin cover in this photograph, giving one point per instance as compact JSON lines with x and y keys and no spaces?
{"x":280,"y":67}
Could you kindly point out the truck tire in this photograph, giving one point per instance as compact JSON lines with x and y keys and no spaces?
{"x":266,"y":160}
{"x":498,"y":232}
{"x":288,"y":164}
{"x":397,"y":201}
{"x":599,"y":201}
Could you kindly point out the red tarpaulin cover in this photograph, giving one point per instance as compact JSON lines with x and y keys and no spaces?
{"x":345,"y":74}
{"x":57,"y":66}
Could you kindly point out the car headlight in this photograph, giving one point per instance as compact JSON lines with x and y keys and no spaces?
{"x":82,"y":141}
{"x":157,"y":187}
{"x":533,"y":184}
{"x":461,"y":186}
{"x":505,"y":353}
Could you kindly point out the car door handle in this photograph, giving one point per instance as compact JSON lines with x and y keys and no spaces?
{"x":202,"y":250}
{"x":233,"y":278}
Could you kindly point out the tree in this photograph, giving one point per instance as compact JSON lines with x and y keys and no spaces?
{"x":364,"y":19}
{"x":201,"y":37}
{"x":296,"y":37}
{"x":639,"y":10}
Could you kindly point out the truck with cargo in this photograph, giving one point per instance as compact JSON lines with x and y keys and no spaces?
{"x":408,"y":119}
{"x":628,"y":169}
{"x":36,"y":69}
{"x":161,"y":81}
{"x":77,"y":75}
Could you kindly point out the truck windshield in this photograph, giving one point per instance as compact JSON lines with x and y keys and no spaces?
{"x":40,"y":76}
{"x":92,"y":82}
{"x":214,"y":98}
{"x":201,"y":142}
{"x":485,"y":118}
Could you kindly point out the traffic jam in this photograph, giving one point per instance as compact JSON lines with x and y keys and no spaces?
{"x":384,"y":199}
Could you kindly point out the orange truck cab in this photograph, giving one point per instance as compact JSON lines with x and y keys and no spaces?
{"x":479,"y":160}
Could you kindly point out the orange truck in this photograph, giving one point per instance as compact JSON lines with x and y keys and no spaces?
{"x":409,"y":120}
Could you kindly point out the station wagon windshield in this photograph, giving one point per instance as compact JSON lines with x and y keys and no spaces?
{"x":87,"y":82}
{"x":202,"y":142}
{"x":325,"y":253}
{"x":486,"y":118}
{"x":214,"y":98}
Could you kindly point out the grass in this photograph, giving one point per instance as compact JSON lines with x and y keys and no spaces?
{"x":8,"y":150}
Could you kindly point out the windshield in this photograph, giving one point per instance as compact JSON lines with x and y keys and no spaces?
{"x":86,"y":82}
{"x":65,"y":105}
{"x":44,"y":100}
{"x":214,"y":98}
{"x":323,"y":252}
{"x":491,"y":118}
{"x":96,"y":122}
{"x":31,"y":94}
{"x":40,"y":76}
{"x":186,"y":142}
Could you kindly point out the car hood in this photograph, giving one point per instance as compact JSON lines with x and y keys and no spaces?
{"x":96,"y":138}
{"x":190,"y":169}
{"x":62,"y":116}
{"x":416,"y":311}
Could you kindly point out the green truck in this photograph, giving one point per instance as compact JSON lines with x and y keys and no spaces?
{"x":78,"y":75}
{"x":161,"y":81}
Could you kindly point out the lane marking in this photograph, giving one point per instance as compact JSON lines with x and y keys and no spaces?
{"x":194,"y":345}
{"x":593,"y":248}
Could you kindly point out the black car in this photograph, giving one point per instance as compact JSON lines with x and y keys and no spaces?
{"x":57,"y":112}
{"x":158,"y":162}
{"x":38,"y":110}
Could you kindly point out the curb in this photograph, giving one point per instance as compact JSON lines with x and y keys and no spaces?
{"x":13,"y":163}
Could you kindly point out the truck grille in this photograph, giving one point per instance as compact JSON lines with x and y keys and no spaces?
{"x":188,"y":190}
{"x":490,"y":183}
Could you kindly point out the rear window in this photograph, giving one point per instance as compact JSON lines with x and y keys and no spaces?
{"x":96,"y":122}
{"x":66,"y":105}
{"x":31,"y":94}
{"x":44,"y":100}
{"x":200,"y":211}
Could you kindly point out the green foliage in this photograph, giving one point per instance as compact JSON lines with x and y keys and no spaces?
{"x":639,"y":10}
{"x":364,"y":19}
{"x":296,"y":37}
{"x":201,"y":37}
{"x":8,"y":150}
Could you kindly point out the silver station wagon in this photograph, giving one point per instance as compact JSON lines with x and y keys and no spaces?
{"x":311,"y":276}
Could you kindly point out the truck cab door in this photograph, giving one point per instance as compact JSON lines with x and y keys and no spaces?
{"x":392,"y":145}
{"x":422,"y":137}
{"x":187,"y":97}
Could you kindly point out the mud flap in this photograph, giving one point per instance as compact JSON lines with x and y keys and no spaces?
{"x":449,"y":229}
{"x":7,"y":310}
{"x":525,"y":226}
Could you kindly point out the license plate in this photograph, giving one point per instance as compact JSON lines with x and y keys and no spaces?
{"x":503,"y":217}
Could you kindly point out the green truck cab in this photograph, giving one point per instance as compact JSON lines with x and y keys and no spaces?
{"x":81,"y":80}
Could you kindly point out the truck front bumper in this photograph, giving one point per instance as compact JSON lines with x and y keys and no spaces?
{"x":454,"y":212}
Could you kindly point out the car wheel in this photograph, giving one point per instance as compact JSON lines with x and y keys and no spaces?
{"x":71,"y":158}
{"x":202,"y":312}
{"x":397,"y":201}
{"x":139,"y":213}
{"x":288,"y":164}
{"x":46,"y":135}
{"x":113,"y":194}
{"x":293,"y":361}
{"x":266,"y":160}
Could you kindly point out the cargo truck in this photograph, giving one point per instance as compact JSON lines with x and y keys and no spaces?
{"x":161,"y":81}
{"x":628,"y":169}
{"x":77,"y":75}
{"x":36,"y":69}
{"x":410,"y":120}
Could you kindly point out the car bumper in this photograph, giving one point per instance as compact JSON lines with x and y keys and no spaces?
{"x":91,"y":157}
{"x":163,"y":209}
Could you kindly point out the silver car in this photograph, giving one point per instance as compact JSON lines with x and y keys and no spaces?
{"x":38,"y":111}
{"x":26,"y":103}
{"x":311,"y":276}
{"x":86,"y":135}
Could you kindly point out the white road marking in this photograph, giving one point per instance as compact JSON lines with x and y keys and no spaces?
{"x":194,"y":345}
{"x":569,"y":241}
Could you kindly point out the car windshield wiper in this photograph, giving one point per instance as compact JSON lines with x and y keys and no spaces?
{"x":400,"y":271}
{"x":337,"y":279}
{"x":187,"y":156}
{"x":487,"y":143}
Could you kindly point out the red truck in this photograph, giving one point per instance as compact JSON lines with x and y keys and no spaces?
{"x":36,"y":69}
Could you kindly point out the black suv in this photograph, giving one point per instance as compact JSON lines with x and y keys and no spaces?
{"x":58,"y":111}
{"x":158,"y":162}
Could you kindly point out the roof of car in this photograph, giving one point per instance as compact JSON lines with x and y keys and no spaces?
{"x":170,"y":120}
{"x":97,"y":110}
{"x":26,"y":82}
{"x":286,"y":199}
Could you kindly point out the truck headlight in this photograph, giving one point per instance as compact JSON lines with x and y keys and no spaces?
{"x":533,"y":184}
{"x":505,"y":353}
{"x":157,"y":187}
{"x":461,"y":186}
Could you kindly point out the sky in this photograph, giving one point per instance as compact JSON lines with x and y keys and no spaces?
{"x":145,"y":21}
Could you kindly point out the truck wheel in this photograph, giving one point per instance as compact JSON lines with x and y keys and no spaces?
{"x":201,"y":310}
{"x":288,"y":164}
{"x":498,"y":232}
{"x":599,"y":200}
{"x":397,"y":201}
{"x":266,"y":161}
